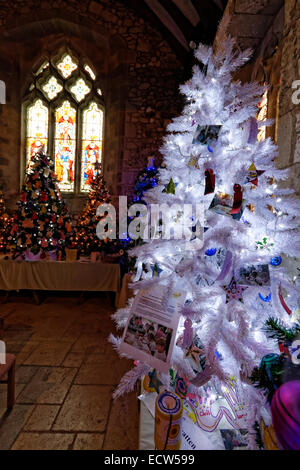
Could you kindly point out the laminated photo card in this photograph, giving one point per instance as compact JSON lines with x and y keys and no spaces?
{"x":151,"y":328}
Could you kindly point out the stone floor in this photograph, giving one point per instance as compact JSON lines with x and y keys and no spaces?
{"x":66,"y":372}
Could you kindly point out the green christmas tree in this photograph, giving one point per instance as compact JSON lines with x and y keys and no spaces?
{"x":84,"y":236}
{"x":41,"y":222}
{"x":5,"y":221}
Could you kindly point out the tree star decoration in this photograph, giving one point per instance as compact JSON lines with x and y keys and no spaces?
{"x":154,"y":380}
{"x":156,"y":270}
{"x":234,"y":291}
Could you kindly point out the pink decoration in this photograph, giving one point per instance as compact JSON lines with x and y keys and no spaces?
{"x":188,"y":333}
{"x":285,"y":409}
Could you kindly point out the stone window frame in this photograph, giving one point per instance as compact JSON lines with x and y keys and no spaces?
{"x":34,"y":91}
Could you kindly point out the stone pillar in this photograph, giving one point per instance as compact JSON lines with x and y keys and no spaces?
{"x":288,"y":133}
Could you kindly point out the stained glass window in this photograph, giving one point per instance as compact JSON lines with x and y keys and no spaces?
{"x":90,"y":72}
{"x":65,"y":146}
{"x":36,"y":129}
{"x":76,"y":130}
{"x":52,"y":88}
{"x":66,"y":66}
{"x":80,"y":89}
{"x":92,"y":135}
{"x":262,"y":115}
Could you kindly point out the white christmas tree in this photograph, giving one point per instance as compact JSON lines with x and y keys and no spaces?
{"x":237,"y":279}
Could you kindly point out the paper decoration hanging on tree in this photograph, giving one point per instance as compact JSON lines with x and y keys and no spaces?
{"x":253,"y":174}
{"x":206,"y":135}
{"x":234,"y":291}
{"x":254,"y":275}
{"x":223,"y":204}
{"x":151,"y":328}
{"x":209,"y":181}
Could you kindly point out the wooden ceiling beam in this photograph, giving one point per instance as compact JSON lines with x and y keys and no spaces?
{"x":142,"y":9}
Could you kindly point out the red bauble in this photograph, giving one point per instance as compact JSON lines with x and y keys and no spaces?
{"x":285,"y":409}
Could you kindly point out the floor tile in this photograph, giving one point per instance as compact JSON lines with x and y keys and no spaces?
{"x":43,"y":441}
{"x":86,"y":408}
{"x":49,"y":353}
{"x":42,"y":418}
{"x":49,"y":385}
{"x":88,"y":442}
{"x":11,"y":423}
{"x":122,"y":428}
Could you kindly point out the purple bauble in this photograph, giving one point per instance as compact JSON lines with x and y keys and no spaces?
{"x":285,"y":409}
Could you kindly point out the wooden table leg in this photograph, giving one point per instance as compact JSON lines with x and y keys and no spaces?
{"x":11,"y":386}
{"x":81,"y":298}
{"x":7,"y":294}
{"x":36,"y":297}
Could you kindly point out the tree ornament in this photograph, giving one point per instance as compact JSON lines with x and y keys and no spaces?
{"x":264,"y":244}
{"x":211,"y":251}
{"x":285,"y":409}
{"x":276,"y":261}
{"x":282,"y":301}
{"x":234,"y":291}
{"x":170,"y":188}
{"x":209,"y":181}
{"x":237,"y":199}
{"x":188,"y":333}
{"x":154,"y":381}
{"x":268,"y":298}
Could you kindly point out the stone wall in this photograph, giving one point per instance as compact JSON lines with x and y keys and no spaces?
{"x":289,"y":111}
{"x":272,"y":30}
{"x":138,"y":70}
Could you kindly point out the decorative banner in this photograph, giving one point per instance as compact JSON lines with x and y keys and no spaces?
{"x":168,"y":414}
{"x":286,"y":308}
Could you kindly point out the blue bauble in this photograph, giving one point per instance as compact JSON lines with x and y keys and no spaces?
{"x":211,"y":251}
{"x":266,"y":299}
{"x":276,"y":261}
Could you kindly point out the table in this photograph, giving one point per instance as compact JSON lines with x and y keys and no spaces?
{"x":59,"y":276}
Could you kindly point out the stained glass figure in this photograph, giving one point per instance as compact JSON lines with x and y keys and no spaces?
{"x":66,"y":66}
{"x":90,"y":72}
{"x":92,"y":135}
{"x":52,"y":88}
{"x":80,"y":89}
{"x":65,"y":146}
{"x":36,"y":129}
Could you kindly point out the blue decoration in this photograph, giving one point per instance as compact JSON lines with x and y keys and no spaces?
{"x":266,"y":299}
{"x":276,"y":261}
{"x":156,"y":270}
{"x":211,"y":251}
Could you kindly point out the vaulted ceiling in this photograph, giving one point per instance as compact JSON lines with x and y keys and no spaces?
{"x":182,"y":21}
